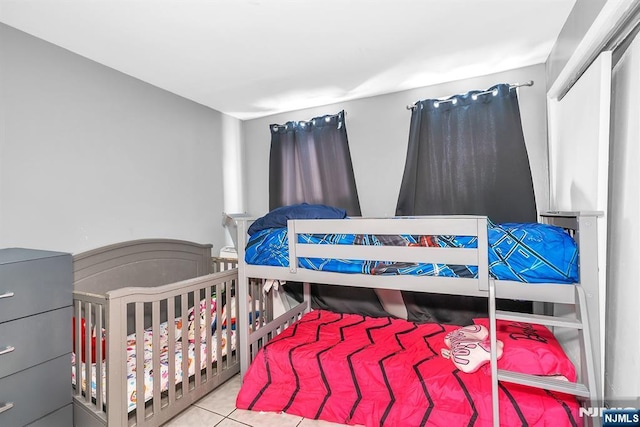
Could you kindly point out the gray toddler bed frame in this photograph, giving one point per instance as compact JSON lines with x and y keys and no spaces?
{"x":582,"y":298}
{"x":132,"y":286}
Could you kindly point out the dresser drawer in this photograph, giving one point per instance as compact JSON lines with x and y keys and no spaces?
{"x":34,"y":286}
{"x":34,"y":339}
{"x":36,"y":392}
{"x":63,"y":417}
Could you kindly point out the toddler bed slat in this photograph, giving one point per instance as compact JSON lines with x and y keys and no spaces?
{"x":156,"y":353}
{"x":172,"y":360}
{"x":207,"y":321}
{"x":198,"y":342}
{"x":185,"y":355}
{"x":139,"y":362}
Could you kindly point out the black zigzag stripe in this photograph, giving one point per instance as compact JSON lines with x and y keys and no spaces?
{"x":340,"y":317}
{"x":565,"y":407}
{"x":386,"y":379}
{"x":423,"y":383}
{"x":523,"y":420}
{"x":266,"y":360}
{"x":474,"y":417}
{"x":352,"y":370}
{"x":322,"y":373}
{"x":404,"y":332}
{"x":293,"y":369}
{"x":348,"y":326}
{"x":429,"y":347}
{"x":264,"y":388}
{"x":433,"y":334}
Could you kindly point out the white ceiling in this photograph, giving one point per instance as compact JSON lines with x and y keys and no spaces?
{"x":252,"y":58}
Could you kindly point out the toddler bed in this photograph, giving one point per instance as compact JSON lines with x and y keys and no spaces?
{"x":312,"y":244}
{"x":153,"y":330}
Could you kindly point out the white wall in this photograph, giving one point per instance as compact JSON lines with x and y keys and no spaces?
{"x":232,"y":170}
{"x":378,"y":131}
{"x":622,"y":367}
{"x":91,"y":156}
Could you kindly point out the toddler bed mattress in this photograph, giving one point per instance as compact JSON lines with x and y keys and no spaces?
{"x":352,"y":369}
{"x":165,"y":351}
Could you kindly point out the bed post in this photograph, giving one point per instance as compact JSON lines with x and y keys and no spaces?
{"x":116,"y":360}
{"x":485,"y":284}
{"x":586,"y":235}
{"x":243,"y":299}
{"x":585,"y":225}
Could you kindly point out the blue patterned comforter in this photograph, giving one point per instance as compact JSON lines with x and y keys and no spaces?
{"x":532,"y":253}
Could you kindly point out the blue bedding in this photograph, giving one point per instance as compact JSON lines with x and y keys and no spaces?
{"x":531,"y":253}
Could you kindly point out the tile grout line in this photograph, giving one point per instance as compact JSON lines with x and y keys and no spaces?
{"x":235,"y":421}
{"x":213,"y":412}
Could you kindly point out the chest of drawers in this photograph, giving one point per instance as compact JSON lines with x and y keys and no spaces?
{"x":35,"y":338}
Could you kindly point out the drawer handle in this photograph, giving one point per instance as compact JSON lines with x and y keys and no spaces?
{"x":6,"y":295}
{"x":5,"y":406}
{"x":7,"y":349}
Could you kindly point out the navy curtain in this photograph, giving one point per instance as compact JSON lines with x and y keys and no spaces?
{"x":310,"y":162}
{"x":466,"y":155}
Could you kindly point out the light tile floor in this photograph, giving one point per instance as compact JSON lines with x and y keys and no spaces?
{"x":218,"y":409}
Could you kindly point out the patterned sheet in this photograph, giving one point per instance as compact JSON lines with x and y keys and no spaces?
{"x":164,"y":356}
{"x":532,"y":253}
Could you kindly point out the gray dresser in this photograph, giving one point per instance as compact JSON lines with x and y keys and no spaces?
{"x":35,"y":338}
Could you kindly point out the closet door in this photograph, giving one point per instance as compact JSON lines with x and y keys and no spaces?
{"x":579,"y":141}
{"x":579,"y":168}
{"x":623,"y":291}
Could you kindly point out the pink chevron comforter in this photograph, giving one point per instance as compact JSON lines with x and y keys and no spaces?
{"x":353,"y":369}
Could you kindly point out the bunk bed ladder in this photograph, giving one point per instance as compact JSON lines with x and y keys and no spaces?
{"x":584,"y":390}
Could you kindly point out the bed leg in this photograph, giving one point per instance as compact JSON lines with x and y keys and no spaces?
{"x":243,"y":322}
{"x":587,"y":355}
{"x":306,"y":292}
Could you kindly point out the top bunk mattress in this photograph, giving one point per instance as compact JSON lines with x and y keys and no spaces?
{"x":521,"y":252}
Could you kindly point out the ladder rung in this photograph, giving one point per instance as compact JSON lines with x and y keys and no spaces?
{"x":538,"y":318}
{"x":547,"y":383}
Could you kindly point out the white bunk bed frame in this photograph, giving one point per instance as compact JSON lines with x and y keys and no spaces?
{"x":584,"y":296}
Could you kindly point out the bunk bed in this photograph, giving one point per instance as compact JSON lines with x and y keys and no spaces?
{"x":303,"y":254}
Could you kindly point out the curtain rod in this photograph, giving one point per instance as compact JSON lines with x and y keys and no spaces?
{"x":475,"y":95}
{"x":327,"y":118}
